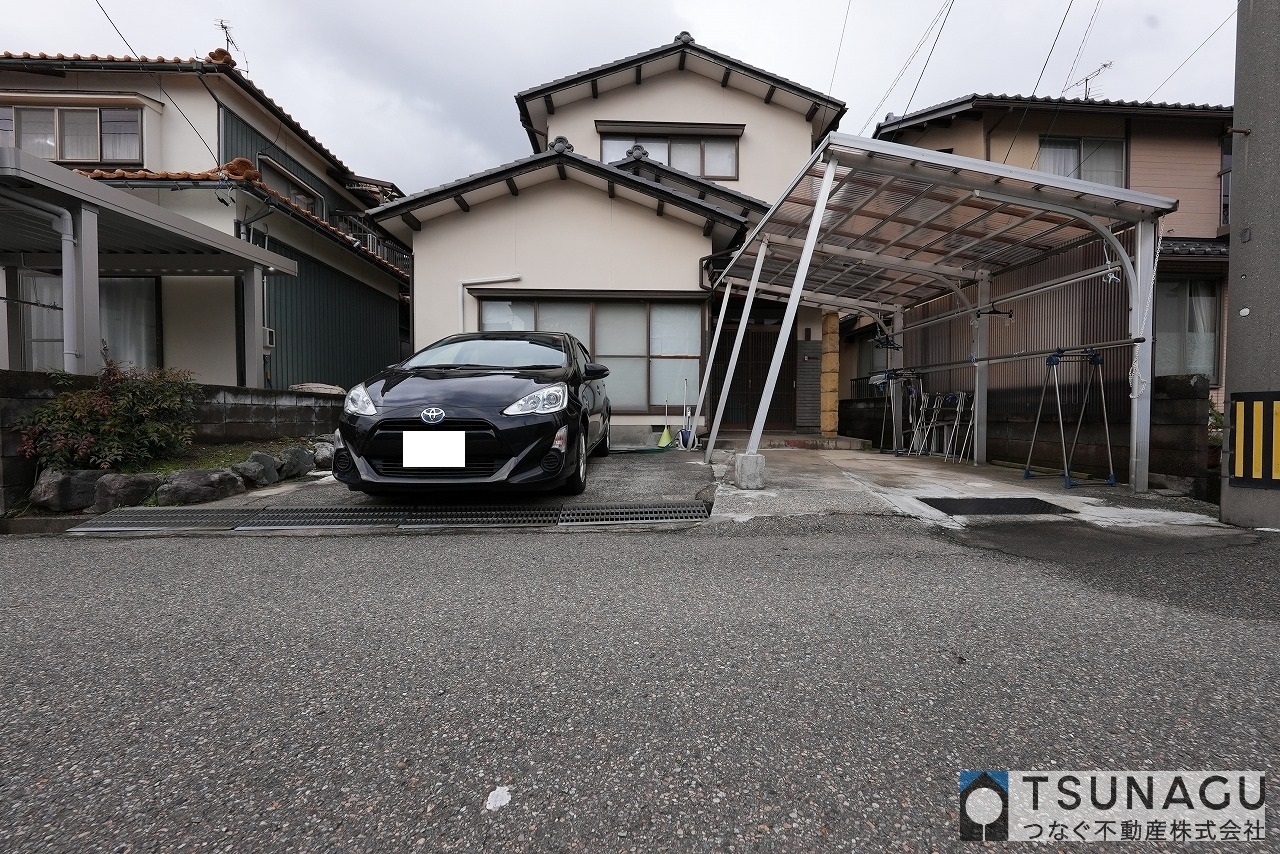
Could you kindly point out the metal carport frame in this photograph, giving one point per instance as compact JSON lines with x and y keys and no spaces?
{"x":878,"y":227}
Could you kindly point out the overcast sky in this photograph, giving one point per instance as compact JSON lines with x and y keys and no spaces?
{"x":421,"y":93}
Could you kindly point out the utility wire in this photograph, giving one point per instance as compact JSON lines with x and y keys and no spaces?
{"x":936,"y":38}
{"x":1194,"y":52}
{"x":1047,"y":57}
{"x":923,"y":38}
{"x":161,"y":85}
{"x":1084,"y":40}
{"x":839,"y":47}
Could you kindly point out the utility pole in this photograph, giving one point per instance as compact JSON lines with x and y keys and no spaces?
{"x":1251,"y":445}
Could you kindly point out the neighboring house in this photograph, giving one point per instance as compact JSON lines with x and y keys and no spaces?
{"x":645,"y":174}
{"x":197,"y":138}
{"x":1176,"y":150}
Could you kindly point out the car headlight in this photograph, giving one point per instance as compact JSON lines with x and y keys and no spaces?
{"x":544,"y":401}
{"x":358,"y":402}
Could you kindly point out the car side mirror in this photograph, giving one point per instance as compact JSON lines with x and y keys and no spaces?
{"x":595,"y":371}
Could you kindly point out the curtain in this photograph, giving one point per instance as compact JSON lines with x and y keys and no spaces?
{"x":1202,"y":329}
{"x":1059,"y":157}
{"x":127,"y":308}
{"x":121,"y":134}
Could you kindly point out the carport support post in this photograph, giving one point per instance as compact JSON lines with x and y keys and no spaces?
{"x":737,"y":347}
{"x":252,"y":284}
{"x":87,"y":289}
{"x":1141,"y":298}
{"x":894,"y":361}
{"x":789,"y":320}
{"x":711,"y":355}
{"x":981,"y":349}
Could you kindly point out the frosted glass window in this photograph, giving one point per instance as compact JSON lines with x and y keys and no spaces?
{"x":667,"y":382}
{"x":657,"y":148}
{"x":78,"y":135}
{"x":35,"y":133}
{"x":571,"y":317}
{"x":1102,"y":161}
{"x":622,"y":329}
{"x":627,"y":384}
{"x":128,"y":311}
{"x":721,"y":158}
{"x":121,"y":134}
{"x":686,"y":155}
{"x":614,"y":148}
{"x":675,"y":330}
{"x":499,"y":315}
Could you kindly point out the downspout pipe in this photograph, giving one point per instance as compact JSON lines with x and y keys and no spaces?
{"x":62,"y":222}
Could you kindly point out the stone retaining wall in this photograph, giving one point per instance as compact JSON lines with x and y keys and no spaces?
{"x":227,"y":414}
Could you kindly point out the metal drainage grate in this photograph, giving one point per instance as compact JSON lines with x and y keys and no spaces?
{"x":297,"y":518}
{"x":165,"y":519}
{"x":621,"y":514}
{"x":994,"y":506}
{"x":484,"y":517}
{"x":302,"y":518}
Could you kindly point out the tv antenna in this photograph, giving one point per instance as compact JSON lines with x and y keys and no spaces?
{"x":225,"y":26}
{"x":1087,"y":79}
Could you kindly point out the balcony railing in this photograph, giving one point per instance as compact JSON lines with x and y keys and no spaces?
{"x":362,"y":232}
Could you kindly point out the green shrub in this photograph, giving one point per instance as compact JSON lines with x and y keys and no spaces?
{"x":129,"y":418}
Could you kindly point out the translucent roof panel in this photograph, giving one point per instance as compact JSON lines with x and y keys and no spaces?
{"x":903,"y":225}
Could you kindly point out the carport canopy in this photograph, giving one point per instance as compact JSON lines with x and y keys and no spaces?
{"x":877,"y":228}
{"x":52,"y":219}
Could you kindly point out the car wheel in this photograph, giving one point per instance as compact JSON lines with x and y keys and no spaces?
{"x":602,"y":447}
{"x":577,"y":482}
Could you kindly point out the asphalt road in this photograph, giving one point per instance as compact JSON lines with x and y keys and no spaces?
{"x":781,"y":684}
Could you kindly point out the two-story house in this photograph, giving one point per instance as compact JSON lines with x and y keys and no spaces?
{"x":198,"y":139}
{"x":1180,"y":151}
{"x":645,"y":174}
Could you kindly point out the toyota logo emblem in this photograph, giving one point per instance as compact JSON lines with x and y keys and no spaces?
{"x":433,"y":415}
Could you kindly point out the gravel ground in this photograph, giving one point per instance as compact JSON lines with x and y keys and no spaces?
{"x":808,"y":683}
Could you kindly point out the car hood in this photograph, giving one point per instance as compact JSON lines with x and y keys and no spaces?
{"x":457,"y":389}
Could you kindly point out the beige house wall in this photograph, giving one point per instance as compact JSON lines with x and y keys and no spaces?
{"x":1180,"y":160}
{"x":198,"y":316}
{"x":774,"y":145}
{"x":559,"y":235}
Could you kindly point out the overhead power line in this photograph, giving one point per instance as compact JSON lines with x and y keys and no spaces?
{"x":936,"y":38}
{"x":1036,"y":88}
{"x":946,"y":5}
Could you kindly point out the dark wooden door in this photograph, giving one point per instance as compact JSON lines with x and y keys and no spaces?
{"x":749,"y":378}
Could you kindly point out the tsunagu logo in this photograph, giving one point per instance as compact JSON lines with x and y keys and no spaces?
{"x":1113,"y":806}
{"x":984,"y":805}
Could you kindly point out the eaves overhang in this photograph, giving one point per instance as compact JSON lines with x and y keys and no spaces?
{"x":822,"y":111}
{"x":557,"y":163}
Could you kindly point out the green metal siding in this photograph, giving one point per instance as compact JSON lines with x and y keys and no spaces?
{"x":330,"y":328}
{"x":241,"y":140}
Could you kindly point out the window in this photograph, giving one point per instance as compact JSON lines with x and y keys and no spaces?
{"x":651,"y":349}
{"x":1188,"y":320}
{"x":713,"y":157}
{"x":291,"y":187}
{"x":1224,"y":179}
{"x":74,"y":134}
{"x":128,"y":315}
{"x":1087,"y":158}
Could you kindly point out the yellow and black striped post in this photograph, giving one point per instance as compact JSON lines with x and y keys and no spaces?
{"x":1255,"y":440}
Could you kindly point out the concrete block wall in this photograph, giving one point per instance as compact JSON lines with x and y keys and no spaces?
{"x":226,"y":414}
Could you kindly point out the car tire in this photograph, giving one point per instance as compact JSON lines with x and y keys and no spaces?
{"x":576,"y":483}
{"x":602,"y":447}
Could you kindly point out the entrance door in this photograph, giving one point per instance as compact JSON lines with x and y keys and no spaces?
{"x":749,"y":378}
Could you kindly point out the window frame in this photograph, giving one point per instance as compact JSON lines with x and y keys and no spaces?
{"x":9,"y":136}
{"x":1184,"y":282}
{"x":594,"y":352}
{"x":702,"y":140}
{"x":1082,"y":144}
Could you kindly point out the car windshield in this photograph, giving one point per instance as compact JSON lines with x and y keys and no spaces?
{"x":491,"y":353}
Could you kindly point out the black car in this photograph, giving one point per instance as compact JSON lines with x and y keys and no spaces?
{"x":482,"y":410}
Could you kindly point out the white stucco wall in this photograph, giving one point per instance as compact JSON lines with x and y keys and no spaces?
{"x":773,"y":147}
{"x":556,"y":235}
{"x":199,"y":323}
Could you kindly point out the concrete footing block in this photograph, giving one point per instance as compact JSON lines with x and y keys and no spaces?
{"x":748,"y":471}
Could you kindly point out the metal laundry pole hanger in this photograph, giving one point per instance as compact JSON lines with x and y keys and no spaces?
{"x":1093,"y":359}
